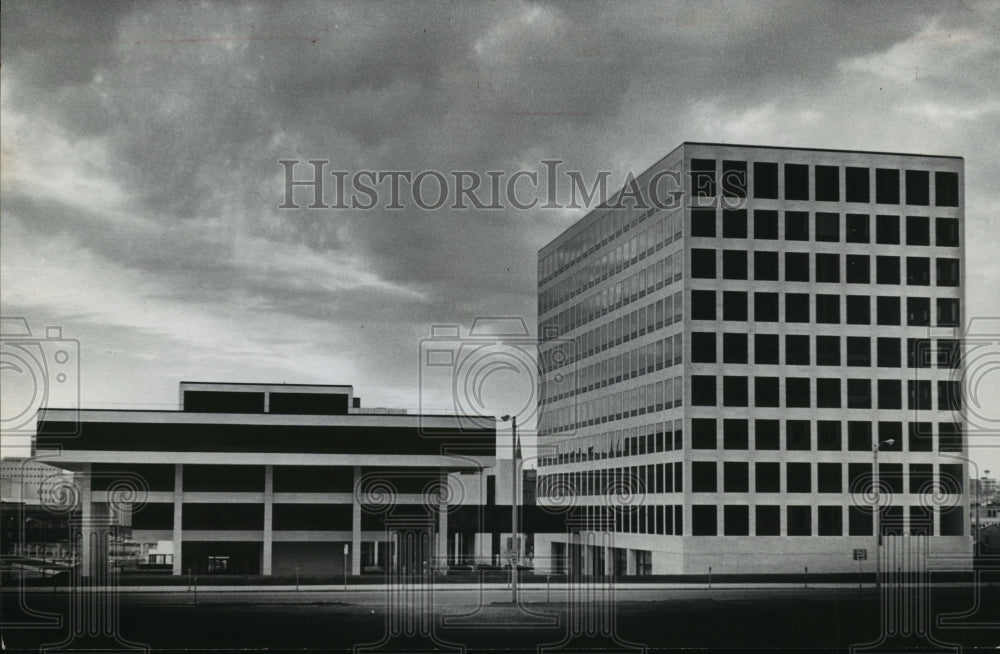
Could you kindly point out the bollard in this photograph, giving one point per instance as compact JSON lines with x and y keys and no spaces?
{"x":807,"y":577}
{"x":548,"y":578}
{"x":709,"y":576}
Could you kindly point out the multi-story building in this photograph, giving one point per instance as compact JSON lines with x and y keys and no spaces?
{"x":279,"y":479}
{"x":730,"y":339}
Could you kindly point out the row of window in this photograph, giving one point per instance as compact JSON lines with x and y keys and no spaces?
{"x":831,"y":393}
{"x":822,"y":267}
{"x":824,"y":227}
{"x":823,"y":308}
{"x":630,"y":441}
{"x":858,"y":351}
{"x":825,"y":181}
{"x":798,"y":435}
{"x":599,"y":268}
{"x":656,"y":396}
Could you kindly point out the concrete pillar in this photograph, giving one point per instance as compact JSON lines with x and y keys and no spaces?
{"x":178,"y":517}
{"x":609,"y":559}
{"x":442,"y":535}
{"x":86,"y":524}
{"x":356,"y":524}
{"x":630,"y":562}
{"x":268,"y":545}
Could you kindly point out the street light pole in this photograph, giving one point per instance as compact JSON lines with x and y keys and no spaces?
{"x":878,"y":515}
{"x":515,"y":546}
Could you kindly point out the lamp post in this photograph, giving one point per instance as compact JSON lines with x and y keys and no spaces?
{"x":513,"y":505}
{"x":878,"y":515}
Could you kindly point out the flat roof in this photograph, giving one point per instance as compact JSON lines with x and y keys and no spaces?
{"x":786,"y":147}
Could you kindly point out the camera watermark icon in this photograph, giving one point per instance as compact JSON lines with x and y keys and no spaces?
{"x":497,"y":368}
{"x":38,"y":371}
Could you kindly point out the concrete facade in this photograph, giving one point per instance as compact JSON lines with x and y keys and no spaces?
{"x":720,"y":370}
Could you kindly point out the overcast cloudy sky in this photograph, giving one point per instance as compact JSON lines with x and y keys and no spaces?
{"x":140,"y":175}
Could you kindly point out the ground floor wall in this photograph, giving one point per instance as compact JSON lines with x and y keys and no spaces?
{"x":597,"y":554}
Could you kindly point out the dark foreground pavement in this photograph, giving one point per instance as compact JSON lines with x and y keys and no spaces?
{"x":747,"y":619}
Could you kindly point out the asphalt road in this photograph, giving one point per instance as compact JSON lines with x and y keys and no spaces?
{"x":485,"y":621}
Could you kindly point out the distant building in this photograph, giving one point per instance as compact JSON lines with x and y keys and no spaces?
{"x":29,"y":480}
{"x":719,"y":371}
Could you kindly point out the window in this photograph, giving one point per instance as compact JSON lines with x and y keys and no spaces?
{"x":828,"y":183}
{"x":703,"y":477}
{"x":891,"y":475}
{"x":918,"y":394}
{"x":736,"y":519}
{"x":890,"y":394}
{"x":951,"y":478}
{"x":886,"y":186}
{"x":859,"y":310}
{"x":828,"y":309}
{"x":918,"y":271}
{"x":949,"y":353}
{"x":799,"y":521}
{"x":918,"y":311}
{"x":860,"y":520}
{"x":828,"y":227}
{"x":736,"y":477}
{"x":703,"y":305}
{"x":921,"y":437}
{"x":889,"y":352}
{"x":859,"y":477}
{"x":859,"y":394}
{"x":765,"y":307}
{"x":796,"y":350}
{"x":921,"y":477}
{"x":768,"y":520}
{"x":921,"y":521}
{"x":828,"y":477}
{"x":734,"y":223}
{"x":703,"y":390}
{"x":796,"y":182}
{"x":796,"y":226}
{"x":797,"y":307}
{"x":735,"y":434}
{"x":858,"y":230}
{"x":767,"y":477}
{"x":765,"y":266}
{"x":918,"y":187}
{"x":734,"y":391}
{"x":949,"y":437}
{"x":703,"y":178}
{"x":766,"y":434}
{"x":830,"y":520}
{"x":828,"y":435}
{"x":703,"y":520}
{"x":948,"y":313}
{"x":766,"y":392}
{"x":919,"y":353}
{"x":918,"y":230}
{"x":828,"y":268}
{"x":858,"y":269}
{"x":946,"y":232}
{"x":887,"y":310}
{"x":886,"y":270}
{"x":765,"y":224}
{"x":946,"y":189}
{"x":703,"y":433}
{"x":859,"y":351}
{"x":890,"y":431}
{"x":766,"y":349}
{"x":765,"y":180}
{"x":734,"y":179}
{"x":859,"y":436}
{"x":796,"y":266}
{"x":702,"y":347}
{"x":734,"y":264}
{"x":887,"y":230}
{"x":827,"y":350}
{"x":702,"y":263}
{"x":734,"y":348}
{"x":828,"y":393}
{"x":947,"y":272}
{"x":856,"y":184}
{"x":703,"y":222}
{"x":798,"y":435}
{"x":734,"y":305}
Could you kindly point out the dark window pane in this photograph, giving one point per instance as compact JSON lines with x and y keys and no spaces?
{"x":799,"y":520}
{"x":765,"y":180}
{"x":946,"y":232}
{"x":703,"y":520}
{"x":703,"y":433}
{"x":703,"y":178}
{"x":703,"y":305}
{"x":858,"y":269}
{"x":887,"y":230}
{"x":918,"y":189}
{"x":828,"y":350}
{"x":796,"y":226}
{"x":918,"y":230}
{"x":946,"y":189}
{"x":766,"y":392}
{"x":796,"y":266}
{"x":767,"y":434}
{"x":828,"y":309}
{"x":702,"y":263}
{"x":736,"y":477}
{"x":886,"y":186}
{"x":947,"y":272}
{"x":828,"y":268}
{"x":765,"y":224}
{"x":859,"y":394}
{"x":830,"y":521}
{"x":828,"y":435}
{"x":948,"y":314}
{"x":886,"y":270}
{"x":734,"y":264}
{"x":828,"y":227}
{"x":918,"y":271}
{"x":768,"y":520}
{"x":734,"y":179}
{"x":703,"y":390}
{"x":734,"y":305}
{"x":734,"y":223}
{"x":765,"y":266}
{"x":828,"y":393}
{"x":703,"y":222}
{"x":734,"y":391}
{"x":857,"y":184}
{"x":765,"y":307}
{"x":734,"y":348}
{"x":858,"y":230}
{"x":796,"y":350}
{"x":736,"y":520}
{"x":828,"y":183}
{"x":703,"y":347}
{"x":887,"y":310}
{"x":735,"y":434}
{"x":766,"y":349}
{"x":859,"y":351}
{"x":859,"y":436}
{"x":828,"y":478}
{"x":798,"y":478}
{"x":796,"y":182}
{"x":797,"y":307}
{"x":703,"y":477}
{"x":918,"y":311}
{"x":859,"y":310}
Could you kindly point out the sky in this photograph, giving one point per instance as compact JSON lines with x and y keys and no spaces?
{"x":140,"y":182}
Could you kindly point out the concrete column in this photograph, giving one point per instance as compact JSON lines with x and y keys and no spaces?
{"x":267,"y":550}
{"x":86,"y":523}
{"x":630,"y":562}
{"x":178,"y":516}
{"x":442,"y":535}
{"x":609,"y":559}
{"x":356,"y":524}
